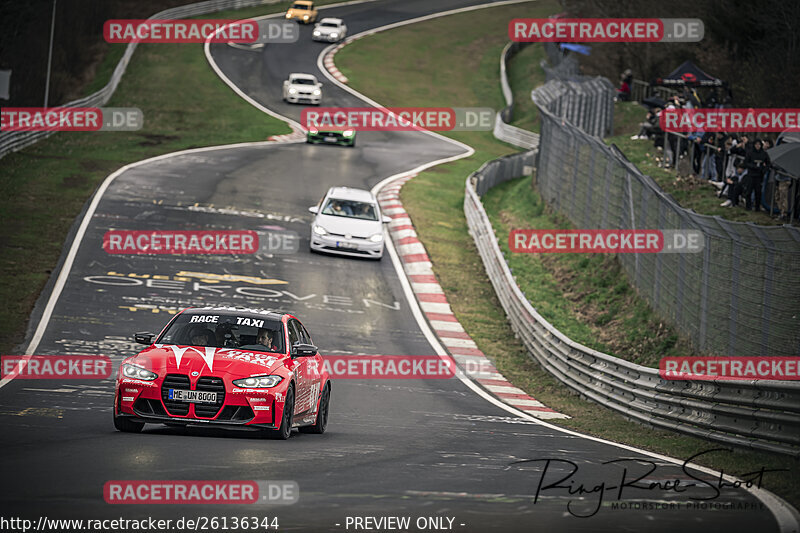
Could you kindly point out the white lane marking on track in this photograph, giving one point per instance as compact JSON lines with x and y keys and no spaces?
{"x":58,"y":391}
{"x":79,"y":234}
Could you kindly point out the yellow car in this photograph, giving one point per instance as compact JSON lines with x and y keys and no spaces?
{"x":302,"y":11}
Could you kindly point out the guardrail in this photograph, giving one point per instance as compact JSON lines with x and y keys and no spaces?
{"x":12,"y":141}
{"x":502,"y":130}
{"x":641,"y":90}
{"x":761,"y":415}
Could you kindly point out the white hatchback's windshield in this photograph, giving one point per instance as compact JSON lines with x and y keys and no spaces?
{"x":302,"y":81}
{"x":350,"y":209}
{"x":329,"y":25}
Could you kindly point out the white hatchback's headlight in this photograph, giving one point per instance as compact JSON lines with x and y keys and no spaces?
{"x":319,"y":230}
{"x":378,"y":237}
{"x":257,"y":382}
{"x":317,"y":33}
{"x":334,"y":34}
{"x":292,"y":90}
{"x":317,"y":92}
{"x":137,"y":372}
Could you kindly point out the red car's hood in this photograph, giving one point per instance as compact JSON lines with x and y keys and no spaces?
{"x":171,"y":359}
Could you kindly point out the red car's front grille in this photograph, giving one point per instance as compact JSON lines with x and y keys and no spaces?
{"x":175,"y":381}
{"x":210,"y":384}
{"x":201,"y":410}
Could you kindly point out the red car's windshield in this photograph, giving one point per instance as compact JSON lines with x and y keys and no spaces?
{"x":225,"y":330}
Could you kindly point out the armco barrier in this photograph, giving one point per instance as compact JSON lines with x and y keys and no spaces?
{"x":502,"y":130}
{"x":761,"y":415}
{"x":11,"y":141}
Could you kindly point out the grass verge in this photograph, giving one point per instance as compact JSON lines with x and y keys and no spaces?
{"x":524,"y":74}
{"x":462,"y":68}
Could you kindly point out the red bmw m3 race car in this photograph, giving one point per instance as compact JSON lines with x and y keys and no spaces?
{"x":225,"y":367}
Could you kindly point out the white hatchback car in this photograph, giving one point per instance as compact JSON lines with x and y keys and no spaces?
{"x":302,"y":88}
{"x":330,"y":30}
{"x":348,"y":222}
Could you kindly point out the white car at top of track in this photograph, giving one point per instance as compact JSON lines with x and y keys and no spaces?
{"x":302,"y":89}
{"x":348,"y":222}
{"x":329,"y":29}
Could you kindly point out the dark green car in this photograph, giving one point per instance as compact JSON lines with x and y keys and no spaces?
{"x":343,"y":138}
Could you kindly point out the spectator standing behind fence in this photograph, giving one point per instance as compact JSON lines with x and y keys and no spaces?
{"x":711,"y":149}
{"x":696,"y":138}
{"x":691,"y":98}
{"x":729,"y":158}
{"x":625,"y":81}
{"x":757,"y":162}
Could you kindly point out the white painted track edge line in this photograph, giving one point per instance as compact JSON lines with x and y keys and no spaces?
{"x":77,"y":240}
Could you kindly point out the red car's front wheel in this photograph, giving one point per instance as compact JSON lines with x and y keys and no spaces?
{"x":125,"y":424}
{"x":284,"y":431}
{"x":322,"y":414}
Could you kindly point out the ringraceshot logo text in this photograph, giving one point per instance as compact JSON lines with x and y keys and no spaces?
{"x":55,"y":367}
{"x":200,"y":492}
{"x":600,"y":241}
{"x":586,"y":30}
{"x":730,"y":368}
{"x":724,"y":120}
{"x":389,"y":367}
{"x":71,"y":119}
{"x":398,"y":118}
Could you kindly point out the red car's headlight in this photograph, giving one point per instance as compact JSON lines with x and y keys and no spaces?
{"x":258,"y":382}
{"x":137,"y":372}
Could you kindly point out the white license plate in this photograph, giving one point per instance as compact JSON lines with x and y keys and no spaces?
{"x":348,"y":245}
{"x":330,"y":139}
{"x":192,"y":396}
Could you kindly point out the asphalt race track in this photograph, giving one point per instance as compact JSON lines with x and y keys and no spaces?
{"x":413,"y":448}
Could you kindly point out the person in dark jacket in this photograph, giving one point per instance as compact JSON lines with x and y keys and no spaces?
{"x":734,"y":186}
{"x":756,"y":162}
